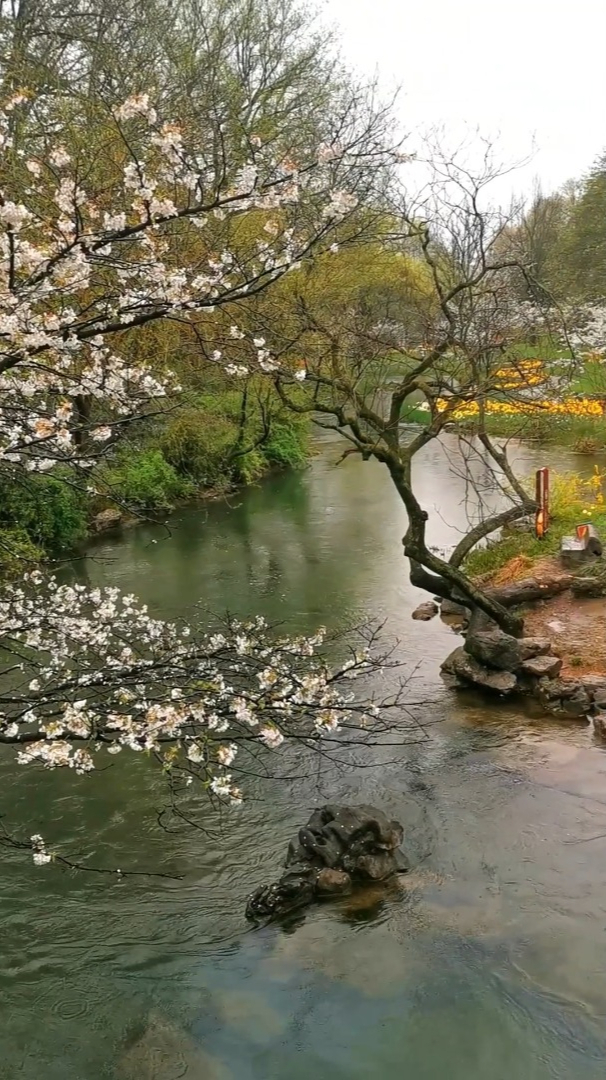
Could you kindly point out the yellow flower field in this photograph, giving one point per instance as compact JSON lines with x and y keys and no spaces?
{"x":569,"y":407}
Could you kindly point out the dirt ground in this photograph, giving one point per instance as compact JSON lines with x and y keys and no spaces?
{"x":576,"y":627}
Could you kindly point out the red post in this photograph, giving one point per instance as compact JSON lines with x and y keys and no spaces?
{"x":542,"y":501}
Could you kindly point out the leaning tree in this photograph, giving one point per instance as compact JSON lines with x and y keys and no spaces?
{"x":437,"y":345}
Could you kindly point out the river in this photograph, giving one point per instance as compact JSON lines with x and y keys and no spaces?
{"x":490,"y":964}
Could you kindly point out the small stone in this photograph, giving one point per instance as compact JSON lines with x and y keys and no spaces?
{"x":333,"y":882}
{"x":531,"y":647}
{"x":557,"y":626}
{"x":593,"y":683}
{"x":542,"y":666}
{"x":425,"y":612}
{"x":589,"y":586}
{"x":107,"y":519}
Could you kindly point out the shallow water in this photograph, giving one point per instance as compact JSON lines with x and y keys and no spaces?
{"x":487,"y":963}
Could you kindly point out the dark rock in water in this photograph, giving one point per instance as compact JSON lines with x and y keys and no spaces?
{"x":550,"y":689}
{"x":338,"y":846}
{"x":542,"y":666}
{"x":578,"y":704}
{"x":448,"y":665}
{"x":425,"y":612}
{"x":494,"y":648}
{"x":566,"y":698}
{"x":291,"y":892}
{"x":469,"y":670}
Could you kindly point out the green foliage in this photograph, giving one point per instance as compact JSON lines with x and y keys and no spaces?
{"x":47,"y":510}
{"x":146,"y":480}
{"x":246,"y":468}
{"x":17,"y":553}
{"x":583,"y":254}
{"x":197,"y":444}
{"x":287,"y":444}
{"x":583,"y":434}
{"x":209,"y":442}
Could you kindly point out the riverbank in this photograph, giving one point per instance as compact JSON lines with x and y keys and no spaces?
{"x":549,"y":400}
{"x":573,"y":499}
{"x":209,"y":447}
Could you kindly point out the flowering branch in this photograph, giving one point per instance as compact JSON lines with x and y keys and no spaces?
{"x":93,"y":674}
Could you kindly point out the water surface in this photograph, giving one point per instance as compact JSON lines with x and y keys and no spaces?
{"x":488,"y":964}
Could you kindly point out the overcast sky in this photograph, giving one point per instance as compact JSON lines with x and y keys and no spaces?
{"x":525,"y":70}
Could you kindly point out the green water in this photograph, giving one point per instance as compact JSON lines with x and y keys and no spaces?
{"x":490,"y":964}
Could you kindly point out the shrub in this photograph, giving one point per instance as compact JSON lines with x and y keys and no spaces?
{"x":17,"y":553}
{"x":47,"y":510}
{"x":197,"y":444}
{"x":146,"y":480}
{"x":247,"y":468}
{"x":287,"y":444}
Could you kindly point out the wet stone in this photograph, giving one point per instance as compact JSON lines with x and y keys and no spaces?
{"x":531,"y":647}
{"x":468,"y":669}
{"x":542,"y":666}
{"x":425,"y":612}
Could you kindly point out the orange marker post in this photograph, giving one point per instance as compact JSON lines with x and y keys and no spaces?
{"x":541,"y":524}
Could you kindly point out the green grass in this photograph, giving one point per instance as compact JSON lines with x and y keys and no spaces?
{"x":580,"y":433}
{"x":591,"y":379}
{"x":489,"y":559}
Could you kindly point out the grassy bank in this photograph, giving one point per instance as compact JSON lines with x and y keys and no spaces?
{"x":537,"y":394}
{"x":204,"y":445}
{"x":573,"y":500}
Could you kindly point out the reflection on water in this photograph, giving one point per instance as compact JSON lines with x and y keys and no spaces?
{"x":488,"y":962}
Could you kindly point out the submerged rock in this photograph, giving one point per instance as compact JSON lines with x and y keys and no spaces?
{"x":163,"y":1051}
